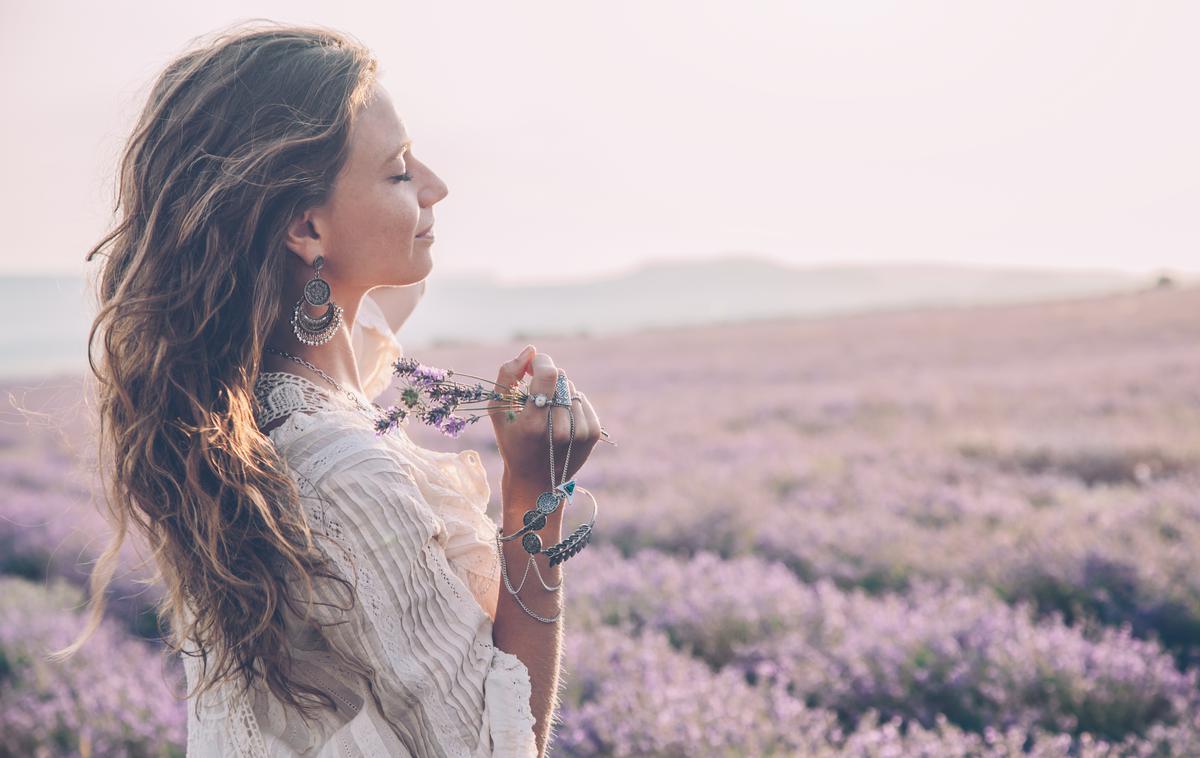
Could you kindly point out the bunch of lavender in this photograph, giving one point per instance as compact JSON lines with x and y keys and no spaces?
{"x":433,"y":397}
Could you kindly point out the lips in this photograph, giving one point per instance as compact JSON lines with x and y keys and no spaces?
{"x":425,"y":231}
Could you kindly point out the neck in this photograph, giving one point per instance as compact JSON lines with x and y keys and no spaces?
{"x":335,"y":357}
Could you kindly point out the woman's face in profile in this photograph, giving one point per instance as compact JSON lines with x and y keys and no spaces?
{"x":382,"y":199}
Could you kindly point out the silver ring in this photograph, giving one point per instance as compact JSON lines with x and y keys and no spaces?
{"x":539,"y":400}
{"x":562,"y":392}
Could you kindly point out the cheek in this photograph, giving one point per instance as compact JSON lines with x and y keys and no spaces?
{"x":401,"y":211}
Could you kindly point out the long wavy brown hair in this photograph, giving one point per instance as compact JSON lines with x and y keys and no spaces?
{"x":239,"y":134}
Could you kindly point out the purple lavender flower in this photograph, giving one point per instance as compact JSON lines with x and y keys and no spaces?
{"x":435,"y":415}
{"x":428,"y":376}
{"x":434,"y":395}
{"x":453,"y":426}
{"x":405,"y":366}
{"x":109,"y":699}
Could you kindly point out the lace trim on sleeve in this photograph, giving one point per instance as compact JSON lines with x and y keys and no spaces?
{"x":226,"y":724}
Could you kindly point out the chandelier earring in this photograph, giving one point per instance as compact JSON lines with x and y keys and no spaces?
{"x":319,"y":330}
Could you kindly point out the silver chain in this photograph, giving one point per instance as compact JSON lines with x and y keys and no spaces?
{"x":513,"y":593}
{"x":570,"y":442}
{"x":328,"y":378}
{"x":499,"y":547}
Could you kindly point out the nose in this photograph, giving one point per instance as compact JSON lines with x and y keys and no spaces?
{"x":434,"y":190}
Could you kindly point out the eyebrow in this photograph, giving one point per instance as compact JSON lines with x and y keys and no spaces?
{"x":398,"y":152}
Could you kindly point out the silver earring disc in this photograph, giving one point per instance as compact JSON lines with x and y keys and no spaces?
{"x":320,"y":322}
{"x":316,"y":292}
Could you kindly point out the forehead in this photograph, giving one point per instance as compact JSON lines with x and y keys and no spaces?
{"x":379,"y":132}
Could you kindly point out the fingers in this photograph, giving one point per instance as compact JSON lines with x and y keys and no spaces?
{"x":593,"y":420}
{"x":581,"y":424}
{"x":564,"y":429}
{"x":544,"y":379}
{"x":587,"y":423}
{"x":544,"y":375}
{"x":512,"y":372}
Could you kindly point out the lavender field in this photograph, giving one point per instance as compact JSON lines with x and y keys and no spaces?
{"x":952,"y":532}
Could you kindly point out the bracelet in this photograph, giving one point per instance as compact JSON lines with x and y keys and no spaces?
{"x":525,"y":576}
{"x":576,"y":540}
{"x":558,"y":553}
{"x":546,"y":504}
{"x":520,"y":602}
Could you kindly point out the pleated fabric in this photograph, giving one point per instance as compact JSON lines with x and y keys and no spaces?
{"x":409,"y":526}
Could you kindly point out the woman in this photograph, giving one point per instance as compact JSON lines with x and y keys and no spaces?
{"x":333,"y":591}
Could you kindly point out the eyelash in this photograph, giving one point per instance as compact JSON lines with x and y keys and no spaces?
{"x":405,"y":177}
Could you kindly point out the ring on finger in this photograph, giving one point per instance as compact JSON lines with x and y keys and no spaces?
{"x":562,"y":392}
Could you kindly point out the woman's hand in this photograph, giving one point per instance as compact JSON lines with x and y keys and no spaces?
{"x":523,"y":442}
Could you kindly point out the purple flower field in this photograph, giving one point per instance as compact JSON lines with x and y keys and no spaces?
{"x":951,"y":532}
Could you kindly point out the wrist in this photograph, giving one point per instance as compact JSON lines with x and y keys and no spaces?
{"x":520,"y":485}
{"x":520,"y":495}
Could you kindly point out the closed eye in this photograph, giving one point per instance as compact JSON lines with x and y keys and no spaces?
{"x":405,"y":177}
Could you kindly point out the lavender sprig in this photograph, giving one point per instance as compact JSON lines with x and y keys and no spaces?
{"x":436,"y":399}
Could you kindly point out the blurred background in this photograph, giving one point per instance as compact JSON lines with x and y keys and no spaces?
{"x":893,"y":307}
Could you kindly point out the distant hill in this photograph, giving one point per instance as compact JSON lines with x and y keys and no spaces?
{"x":733,"y":289}
{"x":56,"y":311}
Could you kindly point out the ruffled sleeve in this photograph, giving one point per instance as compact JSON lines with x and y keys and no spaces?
{"x":456,"y":486}
{"x":444,"y":686}
{"x":381,"y":313}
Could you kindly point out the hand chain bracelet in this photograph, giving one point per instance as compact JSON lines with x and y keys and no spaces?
{"x":581,"y":535}
{"x":547,"y":503}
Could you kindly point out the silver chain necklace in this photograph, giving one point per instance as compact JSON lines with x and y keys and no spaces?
{"x":328,"y":378}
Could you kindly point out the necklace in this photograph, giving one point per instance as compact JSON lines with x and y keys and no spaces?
{"x":329,"y":379}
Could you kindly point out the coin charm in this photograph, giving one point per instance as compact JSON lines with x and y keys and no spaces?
{"x":316,"y":292}
{"x":532,"y":543}
{"x":547,"y":502}
{"x":536,"y":518}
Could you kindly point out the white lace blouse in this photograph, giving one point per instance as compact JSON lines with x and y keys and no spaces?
{"x":414,"y":522}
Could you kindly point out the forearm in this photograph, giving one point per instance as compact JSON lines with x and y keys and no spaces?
{"x":537,"y":644}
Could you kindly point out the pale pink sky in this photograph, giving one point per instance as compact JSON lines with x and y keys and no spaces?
{"x":587,"y":137}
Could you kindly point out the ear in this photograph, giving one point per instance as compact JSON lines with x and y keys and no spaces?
{"x":302,"y":238}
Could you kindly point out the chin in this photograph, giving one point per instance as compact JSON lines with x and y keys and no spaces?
{"x":414,"y":274}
